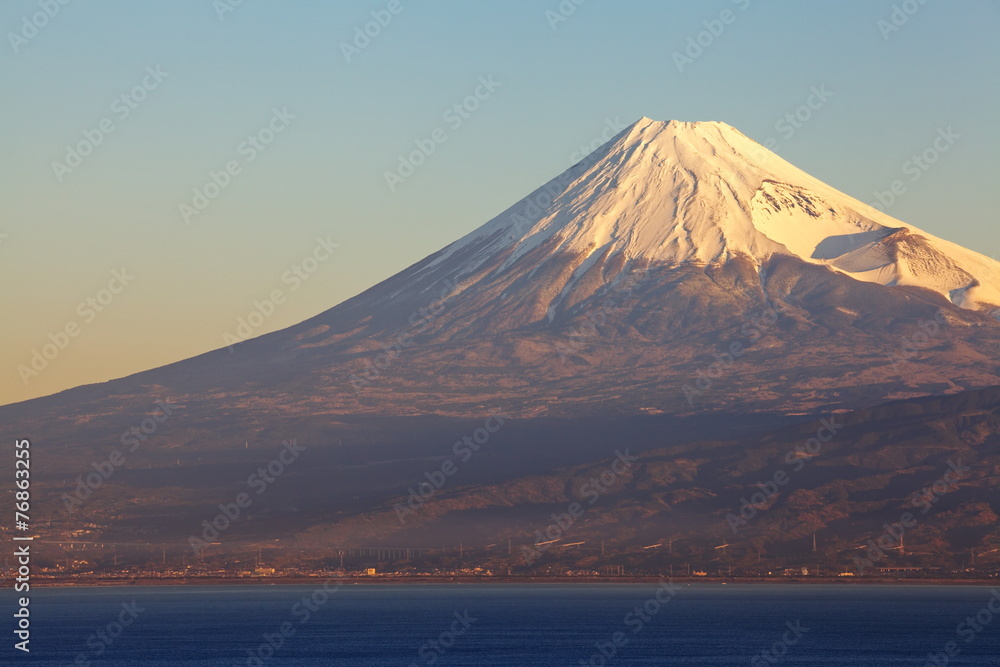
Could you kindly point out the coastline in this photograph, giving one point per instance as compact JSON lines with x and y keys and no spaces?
{"x":499,"y":580}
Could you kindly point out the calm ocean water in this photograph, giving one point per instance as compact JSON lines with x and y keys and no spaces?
{"x":507,"y":624}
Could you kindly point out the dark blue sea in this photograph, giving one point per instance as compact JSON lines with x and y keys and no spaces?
{"x":510,"y":624}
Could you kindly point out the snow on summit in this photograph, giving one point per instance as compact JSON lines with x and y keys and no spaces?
{"x":678,"y":192}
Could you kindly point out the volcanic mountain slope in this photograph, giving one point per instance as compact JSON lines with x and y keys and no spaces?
{"x":688,"y":481}
{"x":842,"y":477}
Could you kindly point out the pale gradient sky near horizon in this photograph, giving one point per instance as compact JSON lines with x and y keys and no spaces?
{"x":323,"y":174}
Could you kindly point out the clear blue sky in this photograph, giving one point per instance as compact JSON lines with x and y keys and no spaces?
{"x":323,"y":174}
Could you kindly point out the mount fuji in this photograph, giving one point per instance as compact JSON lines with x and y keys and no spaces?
{"x":681,"y":273}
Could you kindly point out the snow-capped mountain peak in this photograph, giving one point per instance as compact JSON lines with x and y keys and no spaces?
{"x":682,"y":192}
